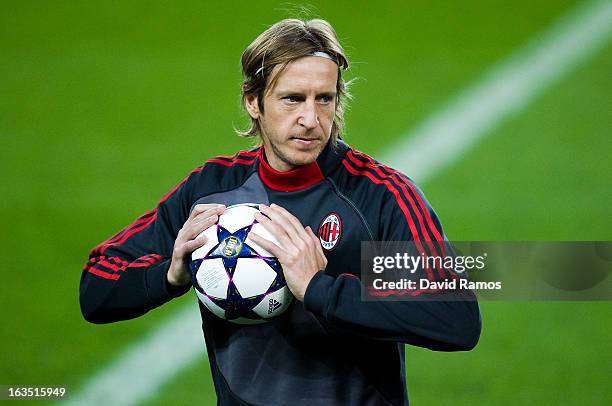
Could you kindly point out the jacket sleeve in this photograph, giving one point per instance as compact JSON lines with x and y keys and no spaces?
{"x":434,"y":324}
{"x":125,"y":276}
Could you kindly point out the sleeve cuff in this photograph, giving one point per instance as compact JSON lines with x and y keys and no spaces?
{"x":316,"y":294}
{"x":157,"y":283}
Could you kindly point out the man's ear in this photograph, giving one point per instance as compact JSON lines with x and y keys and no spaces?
{"x":252,"y":105}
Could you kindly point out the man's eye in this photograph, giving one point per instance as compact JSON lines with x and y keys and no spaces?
{"x":291,"y":99}
{"x":325,"y":99}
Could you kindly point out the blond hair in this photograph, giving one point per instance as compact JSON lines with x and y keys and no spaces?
{"x":282,"y":43}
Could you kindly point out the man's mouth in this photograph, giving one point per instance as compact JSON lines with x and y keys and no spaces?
{"x":304,"y":141}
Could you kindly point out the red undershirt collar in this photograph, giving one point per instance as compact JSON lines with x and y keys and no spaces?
{"x":291,"y":181}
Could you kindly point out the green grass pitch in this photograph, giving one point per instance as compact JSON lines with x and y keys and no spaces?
{"x":105,"y":107}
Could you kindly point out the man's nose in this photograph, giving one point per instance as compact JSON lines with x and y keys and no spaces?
{"x":309,"y":117}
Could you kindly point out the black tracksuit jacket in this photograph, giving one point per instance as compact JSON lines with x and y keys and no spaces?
{"x":332,"y":349}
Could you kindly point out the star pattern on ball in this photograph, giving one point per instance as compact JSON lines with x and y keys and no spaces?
{"x":230,"y":248}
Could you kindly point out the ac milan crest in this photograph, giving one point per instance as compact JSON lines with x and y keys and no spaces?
{"x":330,"y":231}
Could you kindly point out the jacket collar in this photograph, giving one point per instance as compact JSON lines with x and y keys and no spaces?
{"x":303,"y":176}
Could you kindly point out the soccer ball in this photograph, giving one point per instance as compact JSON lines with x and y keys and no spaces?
{"x":236,"y":279}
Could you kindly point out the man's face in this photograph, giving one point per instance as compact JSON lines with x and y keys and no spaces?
{"x":299,"y":112}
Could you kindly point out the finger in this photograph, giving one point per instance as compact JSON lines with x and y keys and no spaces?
{"x":321,"y":258}
{"x":184,"y":248}
{"x":315,"y":240}
{"x":266,"y":244}
{"x":194,"y":244}
{"x":289,"y":218}
{"x":200,"y":208}
{"x":287,"y":221}
{"x":215,"y":211}
{"x":194,"y":223}
{"x":196,"y":227}
{"x":275,"y":228}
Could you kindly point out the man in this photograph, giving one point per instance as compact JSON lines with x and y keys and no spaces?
{"x":330,"y":347}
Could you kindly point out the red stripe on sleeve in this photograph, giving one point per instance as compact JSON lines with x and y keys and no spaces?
{"x":140,"y":220}
{"x":141,"y":223}
{"x":406,"y":195}
{"x":235,"y":161}
{"x":400,"y":202}
{"x":140,"y":265}
{"x":110,"y":266}
{"x":430,"y":223}
{"x":393,"y":175}
{"x":103,"y":274}
{"x":129,"y":234}
{"x":244,"y":157}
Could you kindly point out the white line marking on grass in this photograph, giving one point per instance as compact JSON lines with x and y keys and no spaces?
{"x":143,"y":368}
{"x":509,"y":86}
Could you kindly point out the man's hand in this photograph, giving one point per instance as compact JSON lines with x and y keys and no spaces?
{"x":187,"y":241}
{"x":299,"y":253}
